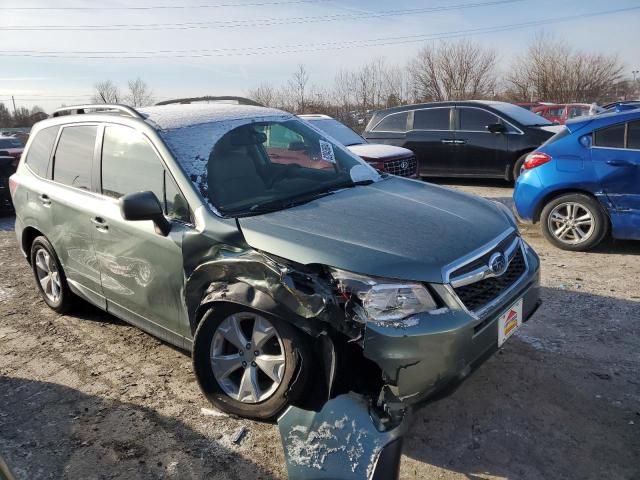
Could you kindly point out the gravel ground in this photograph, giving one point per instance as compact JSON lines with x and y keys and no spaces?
{"x":86,"y":396}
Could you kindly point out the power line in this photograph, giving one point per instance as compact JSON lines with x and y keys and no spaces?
{"x":170,"y":7}
{"x":262,"y":22}
{"x":302,"y":47}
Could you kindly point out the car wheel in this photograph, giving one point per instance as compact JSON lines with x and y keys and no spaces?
{"x":574,"y":222}
{"x":250,"y":364}
{"x":49,"y":276}
{"x":517,"y":167}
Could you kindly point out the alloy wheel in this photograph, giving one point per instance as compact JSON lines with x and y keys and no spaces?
{"x":48,"y":275}
{"x":247,"y":357}
{"x":571,"y":223}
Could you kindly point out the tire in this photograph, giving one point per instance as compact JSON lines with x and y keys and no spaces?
{"x":515,"y":172}
{"x":233,"y":390}
{"x":561,"y":214}
{"x":49,"y":276}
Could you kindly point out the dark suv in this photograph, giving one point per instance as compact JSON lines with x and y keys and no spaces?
{"x":463,"y":139}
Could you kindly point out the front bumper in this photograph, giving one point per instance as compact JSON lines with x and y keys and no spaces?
{"x":425,"y":357}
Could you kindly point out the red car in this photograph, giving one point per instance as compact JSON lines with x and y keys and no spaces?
{"x":559,"y":114}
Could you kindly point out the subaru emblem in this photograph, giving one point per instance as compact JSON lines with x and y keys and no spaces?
{"x":404,"y":165}
{"x":498,"y":264}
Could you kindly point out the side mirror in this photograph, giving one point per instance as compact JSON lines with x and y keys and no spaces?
{"x":145,"y":206}
{"x":496,"y":128}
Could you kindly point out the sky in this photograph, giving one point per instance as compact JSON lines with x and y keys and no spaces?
{"x":54,"y":51}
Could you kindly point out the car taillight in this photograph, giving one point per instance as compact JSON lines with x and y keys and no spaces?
{"x":536,"y":159}
{"x":12,"y":185}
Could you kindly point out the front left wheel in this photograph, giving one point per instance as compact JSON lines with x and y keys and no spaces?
{"x":250,"y":364}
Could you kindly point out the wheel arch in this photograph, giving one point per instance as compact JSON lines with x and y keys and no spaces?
{"x":566,"y":191}
{"x":29,"y":234}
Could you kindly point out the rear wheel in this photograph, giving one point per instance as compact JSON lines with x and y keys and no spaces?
{"x":574,"y":222}
{"x":49,"y":276}
{"x":248,"y":364}
{"x":517,"y":167}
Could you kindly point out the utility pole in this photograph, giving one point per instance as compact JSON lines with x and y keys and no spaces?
{"x":14,"y":105}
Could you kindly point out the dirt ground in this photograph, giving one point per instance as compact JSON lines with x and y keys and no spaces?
{"x":86,"y":396}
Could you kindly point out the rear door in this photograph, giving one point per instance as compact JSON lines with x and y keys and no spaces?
{"x":478,"y":151}
{"x":141,"y":271}
{"x":72,"y":201}
{"x":432,"y":140}
{"x":616,"y":159}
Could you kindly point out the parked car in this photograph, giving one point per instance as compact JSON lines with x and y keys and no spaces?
{"x":288,"y":284}
{"x":462,"y":139}
{"x":12,"y":146}
{"x":559,"y":114}
{"x":8,"y":165}
{"x":585,"y":182}
{"x":385,"y":158}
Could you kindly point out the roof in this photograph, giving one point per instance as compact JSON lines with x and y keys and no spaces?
{"x":167,"y":117}
{"x":603,"y":119}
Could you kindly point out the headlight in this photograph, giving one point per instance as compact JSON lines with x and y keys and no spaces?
{"x":382,"y":300}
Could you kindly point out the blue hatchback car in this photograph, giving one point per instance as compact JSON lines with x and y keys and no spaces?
{"x":584,"y":182}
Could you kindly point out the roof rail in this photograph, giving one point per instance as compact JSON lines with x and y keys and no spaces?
{"x":98,"y":108}
{"x":208,"y":98}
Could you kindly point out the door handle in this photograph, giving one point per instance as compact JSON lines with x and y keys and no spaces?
{"x":100,"y":223}
{"x":459,"y":142}
{"x":446,"y":140}
{"x":620,"y":163}
{"x":44,"y":198}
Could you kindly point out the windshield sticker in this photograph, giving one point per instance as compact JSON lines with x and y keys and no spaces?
{"x":326,"y":152}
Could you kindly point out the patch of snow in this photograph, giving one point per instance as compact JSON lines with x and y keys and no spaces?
{"x":210,"y":412}
{"x":439,"y":311}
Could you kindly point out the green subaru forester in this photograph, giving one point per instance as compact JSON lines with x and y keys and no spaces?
{"x":289,"y":268}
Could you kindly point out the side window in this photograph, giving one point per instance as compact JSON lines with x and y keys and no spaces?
{"x":633,"y":135}
{"x":74,"y":155}
{"x":40,"y":150}
{"x":431,"y":119}
{"x":475,"y":119}
{"x":176,"y":205}
{"x":396,"y":122}
{"x":130,"y":164}
{"x":612,"y":137}
{"x":281,"y":137}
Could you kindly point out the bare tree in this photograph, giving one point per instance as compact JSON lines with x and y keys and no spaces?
{"x":140,"y":95}
{"x":265,"y":94}
{"x":106,"y":92}
{"x":298,"y":87}
{"x":453,"y":71}
{"x":552,"y":70}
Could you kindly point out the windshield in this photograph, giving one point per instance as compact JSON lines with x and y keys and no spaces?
{"x":10,"y":143}
{"x":337,"y":130}
{"x":521,"y":115}
{"x":265,"y":165}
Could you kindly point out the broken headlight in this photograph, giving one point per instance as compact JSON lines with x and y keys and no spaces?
{"x":381,"y":300}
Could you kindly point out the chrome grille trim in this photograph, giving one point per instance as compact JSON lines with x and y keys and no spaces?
{"x":484,"y":272}
{"x":394,"y":167}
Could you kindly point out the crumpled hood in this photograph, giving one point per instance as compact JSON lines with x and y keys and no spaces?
{"x":394,"y":228}
{"x":378,"y":151}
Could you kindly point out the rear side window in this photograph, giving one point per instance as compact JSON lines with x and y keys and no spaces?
{"x":40,"y":150}
{"x":476,"y":120}
{"x":612,"y":137}
{"x":74,"y":155}
{"x":431,"y":119}
{"x":633,"y":135}
{"x":396,"y":122}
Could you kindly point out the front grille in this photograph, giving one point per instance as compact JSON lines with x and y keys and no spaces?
{"x":476,"y":295}
{"x":394,"y":167}
{"x":484,"y":259}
